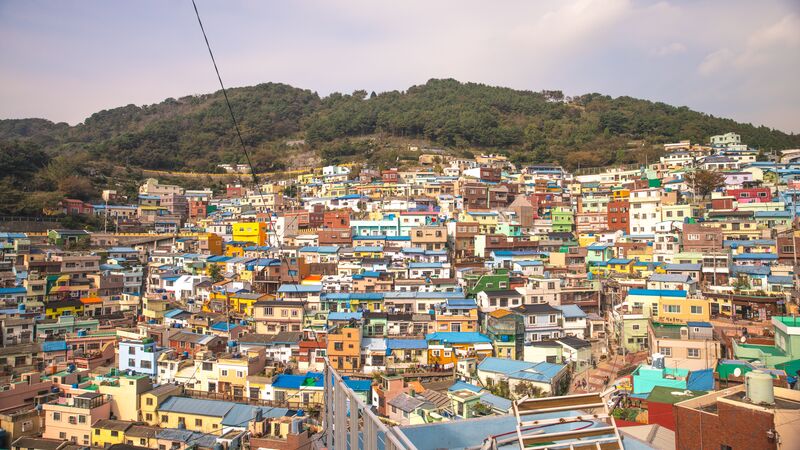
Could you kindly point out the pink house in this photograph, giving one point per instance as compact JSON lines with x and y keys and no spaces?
{"x":71,"y":419}
{"x":22,"y":393}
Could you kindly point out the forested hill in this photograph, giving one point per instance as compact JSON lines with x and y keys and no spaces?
{"x":195,"y":133}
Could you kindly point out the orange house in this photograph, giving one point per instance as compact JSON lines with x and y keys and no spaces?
{"x":344,"y":348}
{"x":457,"y":315}
{"x":446,"y":348}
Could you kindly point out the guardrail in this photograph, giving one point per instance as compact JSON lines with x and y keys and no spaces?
{"x":350,"y":424}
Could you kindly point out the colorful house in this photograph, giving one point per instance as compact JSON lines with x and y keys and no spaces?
{"x":445,"y":348}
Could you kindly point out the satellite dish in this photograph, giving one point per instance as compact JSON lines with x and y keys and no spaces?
{"x":743,"y":339}
{"x":737,"y":372}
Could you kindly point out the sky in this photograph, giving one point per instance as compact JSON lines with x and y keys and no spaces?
{"x":63,"y":60}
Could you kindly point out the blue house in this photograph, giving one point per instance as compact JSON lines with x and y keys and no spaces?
{"x":550,"y":378}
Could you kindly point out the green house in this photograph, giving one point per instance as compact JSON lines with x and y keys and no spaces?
{"x":68,"y":237}
{"x":496,"y":280}
{"x":563,"y":219}
{"x":786,"y":348}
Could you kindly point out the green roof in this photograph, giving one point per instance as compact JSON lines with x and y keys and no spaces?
{"x":790,"y":367}
{"x":788,"y":320}
{"x":664,"y":394}
{"x":768,"y":349}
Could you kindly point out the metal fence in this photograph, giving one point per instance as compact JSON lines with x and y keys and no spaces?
{"x":349,"y":424}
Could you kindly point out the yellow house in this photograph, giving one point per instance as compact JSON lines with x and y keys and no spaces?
{"x":298,"y":391}
{"x":125,"y":391}
{"x":620,"y":194}
{"x":620,"y":265}
{"x":487,"y":220}
{"x":306,"y":178}
{"x":150,"y":400}
{"x":193,"y":414}
{"x":255,"y":232}
{"x":669,"y":306}
{"x":236,"y":249}
{"x":107,"y":432}
{"x":239,"y":303}
{"x":644,"y":254}
{"x":368,"y":251}
{"x":682,"y":310}
{"x":54,"y":310}
{"x":586,"y":239}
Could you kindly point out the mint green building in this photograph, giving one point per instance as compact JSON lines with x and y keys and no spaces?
{"x":563,"y":219}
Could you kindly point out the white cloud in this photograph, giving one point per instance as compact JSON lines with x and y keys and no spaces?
{"x":779,"y":41}
{"x":670,"y":49}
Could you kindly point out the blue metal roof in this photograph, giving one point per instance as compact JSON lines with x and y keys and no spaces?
{"x":751,"y":270}
{"x":13,"y":290}
{"x":460,"y":385}
{"x":657,"y":292}
{"x":368,"y":248}
{"x":571,"y":311}
{"x":756,"y":256}
{"x":699,"y":324}
{"x":542,"y":372}
{"x":212,"y":408}
{"x":241,"y":414}
{"x":54,"y":346}
{"x":310,"y":379}
{"x":406,"y":344}
{"x":424,"y":265}
{"x":299,"y":288}
{"x":320,"y":249}
{"x":338,"y":315}
{"x":458,"y":337}
{"x":352,"y":296}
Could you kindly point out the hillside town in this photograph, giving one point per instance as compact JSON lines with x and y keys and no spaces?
{"x":464,"y":303}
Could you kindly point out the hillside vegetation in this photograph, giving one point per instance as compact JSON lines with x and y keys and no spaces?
{"x":195,"y":133}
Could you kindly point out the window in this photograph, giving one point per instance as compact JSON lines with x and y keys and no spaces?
{"x":81,"y":419}
{"x":198,"y":422}
{"x":131,"y":351}
{"x":97,"y":431}
{"x":552,"y":318}
{"x":146,"y":365}
{"x":666,"y":351}
{"x":224,"y":373}
{"x":57,"y":416}
{"x":268,"y":311}
{"x":338,"y":346}
{"x":635,"y":326}
{"x":697,"y":310}
{"x":672,"y":308}
{"x":114,"y":433}
{"x":164,"y":419}
{"x":148,"y":417}
{"x":693,"y":352}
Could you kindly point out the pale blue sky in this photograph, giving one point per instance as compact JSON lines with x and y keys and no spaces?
{"x":63,"y":60}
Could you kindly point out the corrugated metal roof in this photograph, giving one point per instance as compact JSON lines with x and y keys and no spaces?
{"x":211,"y":408}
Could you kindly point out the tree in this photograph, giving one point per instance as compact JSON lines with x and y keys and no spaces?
{"x":215,"y":273}
{"x":525,"y":389}
{"x":704,"y":182}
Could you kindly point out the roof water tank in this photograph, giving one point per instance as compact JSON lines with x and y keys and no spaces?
{"x":759,"y":389}
{"x":658,"y":360}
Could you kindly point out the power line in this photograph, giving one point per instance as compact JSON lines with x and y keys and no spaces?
{"x":227,"y":100}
